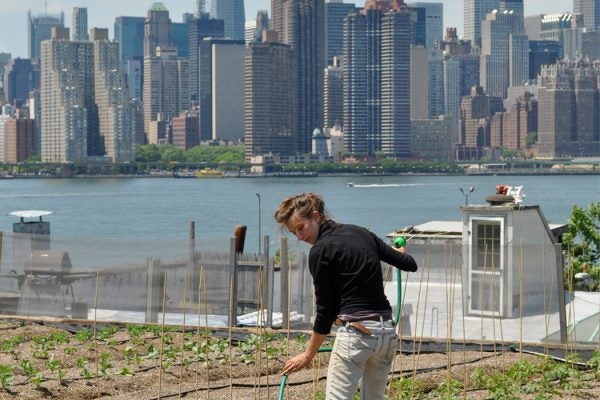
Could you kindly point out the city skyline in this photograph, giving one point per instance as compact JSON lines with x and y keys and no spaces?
{"x":13,"y":19}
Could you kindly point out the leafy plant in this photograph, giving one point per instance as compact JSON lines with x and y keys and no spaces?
{"x":448,"y":389}
{"x":105,"y":362}
{"x":54,"y":366}
{"x":406,"y":388}
{"x":6,"y":376}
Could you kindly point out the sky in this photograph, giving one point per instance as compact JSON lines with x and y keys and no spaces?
{"x":102,"y":14}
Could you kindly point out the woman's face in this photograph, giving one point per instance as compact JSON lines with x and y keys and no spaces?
{"x":305,"y":229}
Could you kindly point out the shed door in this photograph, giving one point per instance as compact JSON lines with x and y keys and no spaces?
{"x":486,"y":266}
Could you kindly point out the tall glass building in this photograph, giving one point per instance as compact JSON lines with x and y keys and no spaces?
{"x":335,"y":12}
{"x":232,"y":12}
{"x":39,"y":27}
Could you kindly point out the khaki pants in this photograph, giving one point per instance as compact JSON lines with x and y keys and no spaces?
{"x":356,"y":355}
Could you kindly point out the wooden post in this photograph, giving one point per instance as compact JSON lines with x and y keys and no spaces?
{"x":232,"y":316}
{"x":154,"y":290}
{"x":562,"y":312}
{"x":284,"y":271}
{"x":194,"y":272}
{"x":267,"y":294}
{"x":1,"y":237}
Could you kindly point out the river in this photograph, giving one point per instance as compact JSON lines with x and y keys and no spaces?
{"x":159,"y":209}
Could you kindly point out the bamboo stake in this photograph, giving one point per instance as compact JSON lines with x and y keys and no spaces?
{"x":185,"y":287}
{"x":196,"y":378}
{"x":415,"y":351}
{"x":546,"y":310}
{"x":95,"y":340}
{"x":207,"y":336}
{"x":229,"y":339}
{"x":464,"y":328}
{"x":162,"y":336}
{"x":521,"y":301}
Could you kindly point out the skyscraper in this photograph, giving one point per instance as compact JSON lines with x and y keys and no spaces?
{"x":157,"y":29}
{"x":476,"y":112}
{"x":200,"y":28}
{"x":116,"y":113}
{"x":80,"y":24}
{"x":427,"y":77}
{"x":434,"y":21}
{"x":568,"y":124}
{"x":475,"y":12}
{"x":515,"y":6}
{"x":377,"y":79}
{"x":20,"y":78}
{"x":39,"y":28}
{"x":301,"y":24}
{"x":333,"y":111}
{"x":232,"y":12}
{"x":269,"y":108}
{"x":69,"y":123}
{"x":335,"y":12}
{"x":590,"y":9}
{"x":129,"y":34}
{"x":166,"y":83}
{"x":504,"y":52}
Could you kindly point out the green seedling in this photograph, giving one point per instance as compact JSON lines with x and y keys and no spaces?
{"x":6,"y":376}
{"x":84,"y":335}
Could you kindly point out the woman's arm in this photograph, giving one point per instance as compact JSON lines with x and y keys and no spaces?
{"x":302,"y":360}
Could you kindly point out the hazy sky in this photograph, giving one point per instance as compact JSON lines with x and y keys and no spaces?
{"x":102,"y":13}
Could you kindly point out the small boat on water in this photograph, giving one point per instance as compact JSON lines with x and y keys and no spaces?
{"x":209,"y":173}
{"x":350,"y":184}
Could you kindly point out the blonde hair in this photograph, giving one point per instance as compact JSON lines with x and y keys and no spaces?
{"x":304,"y":204}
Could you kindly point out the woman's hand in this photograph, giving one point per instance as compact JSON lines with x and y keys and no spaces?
{"x":297,"y":363}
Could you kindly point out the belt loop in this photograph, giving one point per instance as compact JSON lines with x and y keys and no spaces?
{"x":381,"y":321}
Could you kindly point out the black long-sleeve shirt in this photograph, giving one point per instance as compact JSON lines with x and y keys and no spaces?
{"x":345,"y":263}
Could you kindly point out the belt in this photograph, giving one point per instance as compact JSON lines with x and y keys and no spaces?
{"x":355,"y":324}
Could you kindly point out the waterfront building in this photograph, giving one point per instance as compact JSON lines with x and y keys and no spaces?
{"x":377,"y":79}
{"x":18,"y":139}
{"x":476,"y":111}
{"x":301,"y":24}
{"x":166,"y":83}
{"x":3,"y":118}
{"x":335,"y":143}
{"x":80,"y":24}
{"x":69,"y":128}
{"x":504,"y":52}
{"x":269,"y":100}
{"x":590,"y":10}
{"x":434,"y":21}
{"x":39,"y":28}
{"x":228,"y":90}
{"x":333,"y":111}
{"x":159,"y":131}
{"x":184,"y":130}
{"x":232,"y":13}
{"x":568,"y":123}
{"x":508,"y":130}
{"x":20,"y":78}
{"x":116,"y":113}
{"x":335,"y":12}
{"x":157,"y":29}
{"x":432,"y":139}
{"x":200,"y":28}
{"x":475,"y":12}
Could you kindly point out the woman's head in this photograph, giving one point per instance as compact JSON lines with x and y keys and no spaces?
{"x":301,"y":215}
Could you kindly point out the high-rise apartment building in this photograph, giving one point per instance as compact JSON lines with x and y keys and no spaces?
{"x":504,"y":52}
{"x":434,"y":21}
{"x":333,"y":111}
{"x":20,"y":77}
{"x":568,"y":123}
{"x":542,"y":52}
{"x":590,"y":9}
{"x":432,"y":139}
{"x":166,"y":83}
{"x":116,"y":113}
{"x":232,"y":12}
{"x":157,"y":29}
{"x":335,"y":12}
{"x":39,"y":28}
{"x":80,"y":24}
{"x":69,"y":129}
{"x":475,"y":12}
{"x":301,"y":24}
{"x":268,"y":105}
{"x":377,"y":79}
